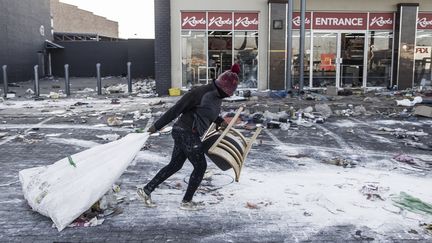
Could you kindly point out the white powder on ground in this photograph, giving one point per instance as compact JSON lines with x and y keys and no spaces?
{"x":331,"y":194}
{"x":74,"y":142}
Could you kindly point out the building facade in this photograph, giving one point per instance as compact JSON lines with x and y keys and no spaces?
{"x":25,"y":27}
{"x":71,"y":19}
{"x":347,"y":43}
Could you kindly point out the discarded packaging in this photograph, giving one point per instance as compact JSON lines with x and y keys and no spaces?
{"x":114,"y":121}
{"x":54,"y":95}
{"x":324,"y":109}
{"x":63,"y":192}
{"x":404,"y":158}
{"x":108,"y":137}
{"x":425,"y":111}
{"x":407,"y":102}
{"x":410,"y":203}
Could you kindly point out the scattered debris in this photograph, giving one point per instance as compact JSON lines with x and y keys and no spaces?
{"x":115,"y":101}
{"x":108,"y":137}
{"x":114,"y":121}
{"x":251,"y":205}
{"x":410,"y":203}
{"x":407,"y":102}
{"x":373,"y":191}
{"x":324,"y":109}
{"x":3,"y":134}
{"x":425,"y":111}
{"x":54,"y":95}
{"x":79,"y":103}
{"x":30,"y":92}
{"x":404,"y":158}
{"x":346,"y":163}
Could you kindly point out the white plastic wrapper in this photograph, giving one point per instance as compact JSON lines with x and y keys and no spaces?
{"x":66,"y":189}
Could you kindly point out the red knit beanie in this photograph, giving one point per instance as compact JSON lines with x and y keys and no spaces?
{"x":228,"y":80}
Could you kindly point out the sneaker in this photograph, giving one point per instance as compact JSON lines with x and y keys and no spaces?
{"x":191,"y":206}
{"x":146,"y":198}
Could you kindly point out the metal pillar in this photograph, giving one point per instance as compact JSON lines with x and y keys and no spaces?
{"x":302,"y":41}
{"x":36,"y":80}
{"x":288,"y":79}
{"x":49,"y":65}
{"x":67,"y":82}
{"x":129,"y":77}
{"x":5,"y":81}
{"x":99,"y":81}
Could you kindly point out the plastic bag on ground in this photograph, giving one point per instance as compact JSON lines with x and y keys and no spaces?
{"x":70,"y":186}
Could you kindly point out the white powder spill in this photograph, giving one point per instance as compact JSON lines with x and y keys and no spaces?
{"x":330,"y":194}
{"x":381,"y":139}
{"x":151,"y":157}
{"x":63,"y":127}
{"x":74,"y":142}
{"x":394,"y":122}
{"x":345,"y":123}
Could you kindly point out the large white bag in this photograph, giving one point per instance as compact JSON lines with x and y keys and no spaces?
{"x":65,"y":189}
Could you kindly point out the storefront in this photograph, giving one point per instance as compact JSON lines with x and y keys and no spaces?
{"x":348,"y":44}
{"x":345,"y":49}
{"x":213,"y":41}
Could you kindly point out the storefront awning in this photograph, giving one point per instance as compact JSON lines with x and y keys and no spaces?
{"x":52,"y":45}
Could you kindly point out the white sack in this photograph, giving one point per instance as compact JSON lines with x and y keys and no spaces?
{"x":63,"y":192}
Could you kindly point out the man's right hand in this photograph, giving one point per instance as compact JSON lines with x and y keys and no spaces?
{"x":152,"y":129}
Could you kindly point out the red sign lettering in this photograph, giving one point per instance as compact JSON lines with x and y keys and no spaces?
{"x":246,"y":21}
{"x":381,"y":21}
{"x":424,"y":21}
{"x":422,"y":50}
{"x":220,"y":21}
{"x":296,"y":20}
{"x":339,"y":21}
{"x":193,"y":20}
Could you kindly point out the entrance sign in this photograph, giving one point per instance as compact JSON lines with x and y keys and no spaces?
{"x":339,"y":21}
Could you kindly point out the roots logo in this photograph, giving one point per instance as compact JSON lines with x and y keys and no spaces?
{"x":296,"y":21}
{"x":219,"y":21}
{"x":424,"y":22}
{"x":381,"y":21}
{"x":245,"y":22}
{"x":193,"y":21}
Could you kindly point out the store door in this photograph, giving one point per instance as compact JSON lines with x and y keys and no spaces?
{"x":338,"y":59}
{"x":219,"y":52}
{"x":351,"y":62}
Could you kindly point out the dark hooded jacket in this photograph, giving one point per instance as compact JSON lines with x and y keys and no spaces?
{"x":198,"y":109}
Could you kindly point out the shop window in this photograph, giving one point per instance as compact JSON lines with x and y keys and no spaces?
{"x":219,"y":52}
{"x":379,"y":63}
{"x":246,"y":54}
{"x":423,"y":56}
{"x":194,"y":61}
{"x":296,"y":58}
{"x":324,"y":59}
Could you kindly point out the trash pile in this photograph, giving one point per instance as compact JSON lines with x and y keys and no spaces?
{"x":108,"y":206}
{"x":142,"y":88}
{"x":374,"y":192}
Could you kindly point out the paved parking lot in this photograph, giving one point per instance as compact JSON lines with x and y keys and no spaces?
{"x":287,"y":192}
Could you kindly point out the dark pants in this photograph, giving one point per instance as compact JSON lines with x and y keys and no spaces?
{"x":187,"y":145}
